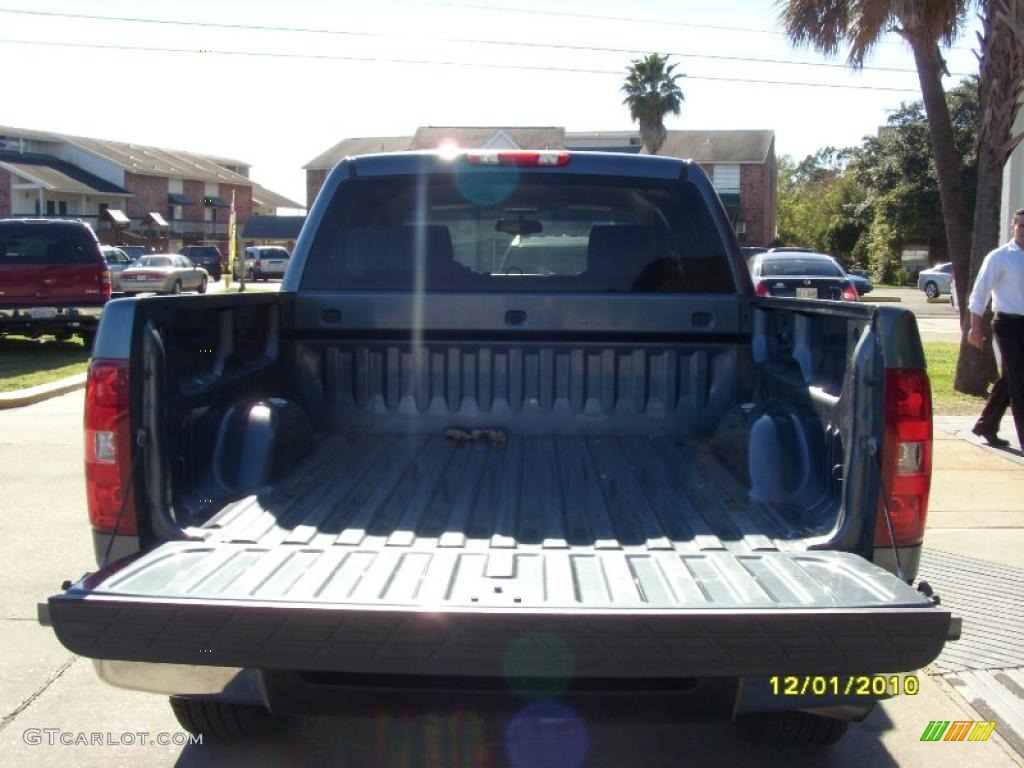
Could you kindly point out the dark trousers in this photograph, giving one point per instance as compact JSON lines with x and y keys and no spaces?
{"x":1009,"y":387}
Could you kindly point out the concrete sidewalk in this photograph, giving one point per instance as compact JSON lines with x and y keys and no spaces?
{"x":976,"y":506}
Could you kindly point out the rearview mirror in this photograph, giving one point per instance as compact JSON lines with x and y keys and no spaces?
{"x":519,"y":226}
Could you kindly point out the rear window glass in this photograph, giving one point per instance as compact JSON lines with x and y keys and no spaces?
{"x":800,"y":267}
{"x":154,"y":261}
{"x":22,"y":243}
{"x":502,"y":230}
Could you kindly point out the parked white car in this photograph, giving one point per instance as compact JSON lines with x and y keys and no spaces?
{"x":262,"y":262}
{"x":935,"y":281}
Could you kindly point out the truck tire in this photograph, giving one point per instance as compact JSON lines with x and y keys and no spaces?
{"x":931,"y":290}
{"x":88,"y":337}
{"x":787,"y":730}
{"x":222,"y":720}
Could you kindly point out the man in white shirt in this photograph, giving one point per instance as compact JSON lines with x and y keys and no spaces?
{"x":1002,"y":278}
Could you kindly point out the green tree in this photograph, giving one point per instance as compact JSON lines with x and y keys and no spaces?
{"x":651,"y":93}
{"x":897,"y":169}
{"x":829,"y":25}
{"x":821,"y":204}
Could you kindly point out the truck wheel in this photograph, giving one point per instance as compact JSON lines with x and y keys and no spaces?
{"x":931,"y":290}
{"x":222,"y":720}
{"x":88,"y":337}
{"x":785,"y":730}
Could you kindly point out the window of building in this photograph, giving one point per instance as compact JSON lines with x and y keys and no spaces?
{"x":726,"y":178}
{"x":175,"y":186}
{"x":62,"y":207}
{"x":211,"y":189}
{"x":51,"y":208}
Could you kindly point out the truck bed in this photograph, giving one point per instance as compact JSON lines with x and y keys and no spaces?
{"x":512,"y":492}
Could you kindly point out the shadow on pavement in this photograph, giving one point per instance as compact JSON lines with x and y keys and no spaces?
{"x":461,"y":742}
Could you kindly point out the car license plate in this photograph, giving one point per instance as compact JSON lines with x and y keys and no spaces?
{"x":807,"y":293}
{"x":42,"y":313}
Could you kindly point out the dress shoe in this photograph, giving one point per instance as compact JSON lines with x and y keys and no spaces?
{"x":991,"y":437}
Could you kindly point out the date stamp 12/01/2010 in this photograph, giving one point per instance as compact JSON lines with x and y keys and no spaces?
{"x":844,"y":685}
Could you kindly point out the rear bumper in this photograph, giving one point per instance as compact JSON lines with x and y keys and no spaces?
{"x":590,"y":644}
{"x":614,"y":700}
{"x":20,"y":319}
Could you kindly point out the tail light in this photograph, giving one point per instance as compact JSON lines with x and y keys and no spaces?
{"x":105,"y":284}
{"x":906,"y":457}
{"x":850,"y":294}
{"x":761,"y":288}
{"x":108,"y":446}
{"x":518,"y":157}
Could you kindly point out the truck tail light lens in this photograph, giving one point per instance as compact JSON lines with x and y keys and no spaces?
{"x":518,"y":157}
{"x":906,"y":457}
{"x":108,"y":446}
{"x":105,"y":283}
{"x":850,"y":294}
{"x":761,"y":288}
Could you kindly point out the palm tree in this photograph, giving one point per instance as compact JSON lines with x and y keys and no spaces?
{"x":1000,"y":85}
{"x":828,"y":25}
{"x":651,"y":93}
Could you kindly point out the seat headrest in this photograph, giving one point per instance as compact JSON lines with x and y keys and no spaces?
{"x":618,"y":252}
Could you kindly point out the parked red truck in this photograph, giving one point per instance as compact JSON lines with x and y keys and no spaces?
{"x":53,"y":278}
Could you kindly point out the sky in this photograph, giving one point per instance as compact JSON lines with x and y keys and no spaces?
{"x":277,"y":83}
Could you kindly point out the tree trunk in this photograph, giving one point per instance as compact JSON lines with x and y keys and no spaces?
{"x":930,"y":68}
{"x":652,"y":135}
{"x":1000,"y":76}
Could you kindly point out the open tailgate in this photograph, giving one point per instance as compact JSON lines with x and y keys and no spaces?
{"x":432,"y":611}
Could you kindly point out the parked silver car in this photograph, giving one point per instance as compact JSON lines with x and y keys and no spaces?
{"x":164,"y":273}
{"x":262,"y":262}
{"x":935,"y":281}
{"x":117,"y":261}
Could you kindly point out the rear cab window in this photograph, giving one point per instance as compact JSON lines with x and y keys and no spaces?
{"x":48,"y":243}
{"x":500,"y":231}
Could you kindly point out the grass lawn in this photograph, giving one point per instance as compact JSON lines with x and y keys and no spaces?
{"x":941,"y":357}
{"x":27,"y":362}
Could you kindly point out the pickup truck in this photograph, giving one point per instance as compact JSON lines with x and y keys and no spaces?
{"x":412,"y":480}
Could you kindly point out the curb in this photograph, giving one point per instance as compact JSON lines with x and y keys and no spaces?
{"x":882,"y":300}
{"x":32,"y":395}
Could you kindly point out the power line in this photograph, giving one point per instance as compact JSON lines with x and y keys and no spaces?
{"x":461,"y":40}
{"x":600,"y":17}
{"x":436,"y":62}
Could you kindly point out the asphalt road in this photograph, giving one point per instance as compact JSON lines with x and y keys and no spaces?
{"x":45,"y":540}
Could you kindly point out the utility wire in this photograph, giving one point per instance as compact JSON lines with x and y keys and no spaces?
{"x":439,"y":62}
{"x":444,"y":63}
{"x":460,"y":40}
{"x":631,"y":19}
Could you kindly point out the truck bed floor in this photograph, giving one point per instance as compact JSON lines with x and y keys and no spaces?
{"x":375,"y":490}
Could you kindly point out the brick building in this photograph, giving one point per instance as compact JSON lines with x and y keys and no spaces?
{"x":741,"y":164}
{"x":127,"y":192}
